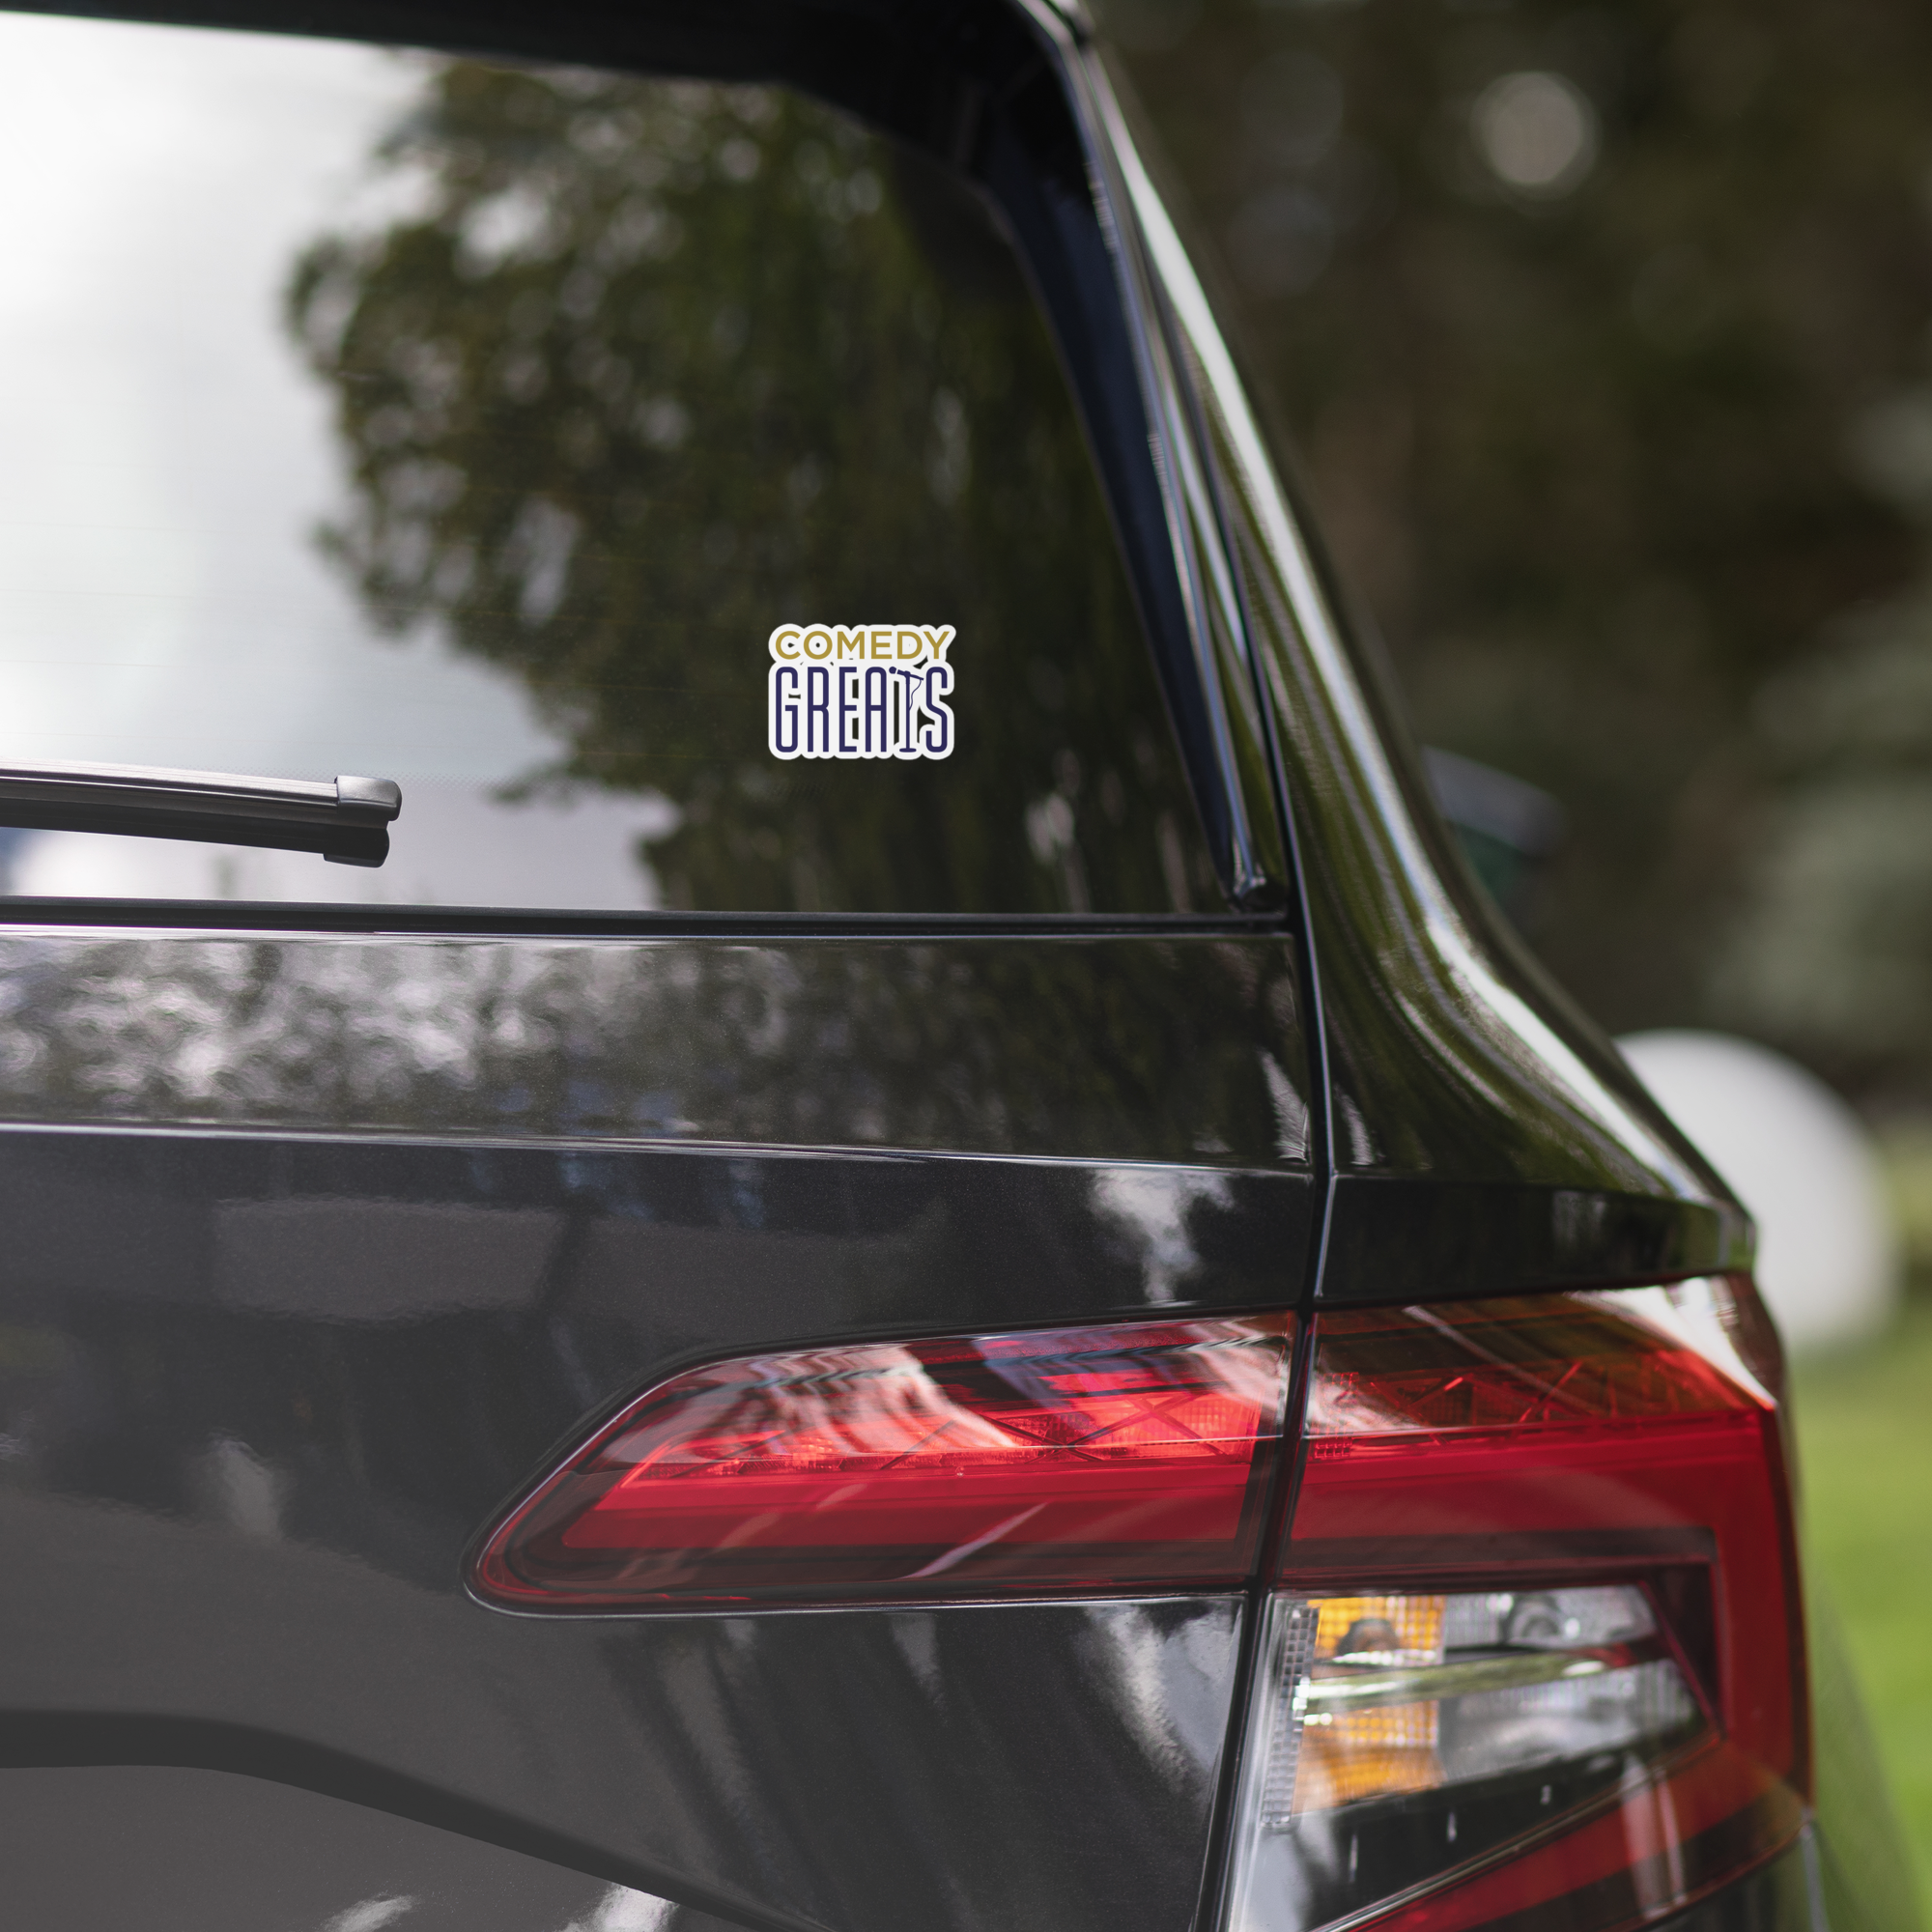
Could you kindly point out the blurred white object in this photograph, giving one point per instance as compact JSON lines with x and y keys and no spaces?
{"x":1538,"y":132}
{"x":1801,"y":1161}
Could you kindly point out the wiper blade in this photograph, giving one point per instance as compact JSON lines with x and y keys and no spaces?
{"x":347,"y":821}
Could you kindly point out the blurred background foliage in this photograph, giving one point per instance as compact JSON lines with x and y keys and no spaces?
{"x":1604,"y":337}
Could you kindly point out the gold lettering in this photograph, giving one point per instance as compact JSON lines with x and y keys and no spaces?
{"x":818,"y":642}
{"x":784,"y":635}
{"x":851,"y":644}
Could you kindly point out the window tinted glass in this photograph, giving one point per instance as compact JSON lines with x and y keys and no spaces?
{"x":479,"y":428}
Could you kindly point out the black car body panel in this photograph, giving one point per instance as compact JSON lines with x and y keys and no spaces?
{"x":210,"y":1852}
{"x":1165,"y":1043}
{"x":274,"y":1380}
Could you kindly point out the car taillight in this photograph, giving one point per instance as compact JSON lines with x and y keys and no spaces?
{"x":1534,"y":1653}
{"x":1130,"y":1456}
{"x":1531,"y":1648}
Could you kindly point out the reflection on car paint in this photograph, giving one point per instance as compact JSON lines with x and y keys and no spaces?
{"x":1181,"y":1048}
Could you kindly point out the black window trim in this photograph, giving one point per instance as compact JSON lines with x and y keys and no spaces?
{"x":295,"y":918}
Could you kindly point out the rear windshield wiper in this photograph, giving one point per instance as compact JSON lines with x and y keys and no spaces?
{"x":347,"y":821}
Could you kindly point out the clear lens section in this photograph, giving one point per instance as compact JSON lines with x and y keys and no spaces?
{"x":1530,"y":1756}
{"x":1397,"y":1738}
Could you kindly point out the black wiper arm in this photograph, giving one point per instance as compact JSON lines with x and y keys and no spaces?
{"x":347,"y":821}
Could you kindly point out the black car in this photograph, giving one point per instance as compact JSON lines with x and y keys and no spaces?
{"x":762,"y":1168}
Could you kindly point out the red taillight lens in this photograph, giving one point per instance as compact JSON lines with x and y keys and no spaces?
{"x":1080,"y":1460}
{"x":1538,"y":1646}
{"x":1531,"y":1645}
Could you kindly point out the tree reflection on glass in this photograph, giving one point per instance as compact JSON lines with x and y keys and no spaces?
{"x":649,"y":367}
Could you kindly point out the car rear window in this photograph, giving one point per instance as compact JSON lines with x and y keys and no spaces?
{"x":672,"y":486}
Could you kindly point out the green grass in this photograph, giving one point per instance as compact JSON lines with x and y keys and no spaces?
{"x":1865,"y":1451}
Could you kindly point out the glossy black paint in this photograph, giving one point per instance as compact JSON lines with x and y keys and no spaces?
{"x":1165,"y":1046}
{"x":1483,"y":1133}
{"x":862,"y":1769}
{"x":207,"y":1852}
{"x":1395,"y":1237}
{"x":268,"y":1360}
{"x":201,"y":1851}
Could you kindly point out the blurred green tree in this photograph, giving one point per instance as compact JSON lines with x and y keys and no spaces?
{"x":1599,"y":331}
{"x":1833,"y":952}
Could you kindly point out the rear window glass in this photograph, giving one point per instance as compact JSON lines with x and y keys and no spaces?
{"x":673,"y":487}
